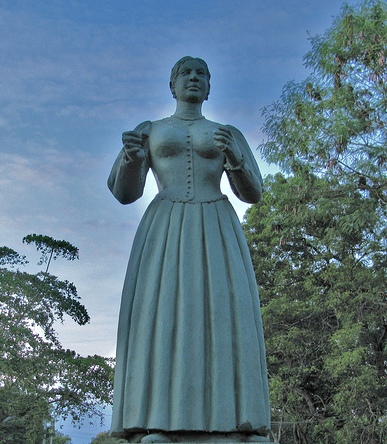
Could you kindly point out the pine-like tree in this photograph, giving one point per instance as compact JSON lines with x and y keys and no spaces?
{"x":39,"y":379}
{"x":319,"y":238}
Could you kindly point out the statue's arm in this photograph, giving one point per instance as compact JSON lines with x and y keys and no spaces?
{"x":127,"y":177}
{"x":244,"y":174}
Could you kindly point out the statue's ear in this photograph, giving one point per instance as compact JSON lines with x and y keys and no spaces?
{"x":172,"y":88}
{"x":208,"y":93}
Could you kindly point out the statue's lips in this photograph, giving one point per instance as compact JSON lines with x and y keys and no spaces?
{"x":193,"y":88}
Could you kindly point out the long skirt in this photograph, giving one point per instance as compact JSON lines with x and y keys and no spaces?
{"x":190,"y":348}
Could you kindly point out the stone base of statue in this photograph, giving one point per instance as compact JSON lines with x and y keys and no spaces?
{"x":193,"y":437}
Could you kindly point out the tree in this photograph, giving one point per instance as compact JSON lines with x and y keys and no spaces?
{"x":38,"y":378}
{"x":59,"y":438}
{"x":323,"y":305}
{"x":51,"y":248}
{"x":318,"y":238}
{"x":334,"y":122}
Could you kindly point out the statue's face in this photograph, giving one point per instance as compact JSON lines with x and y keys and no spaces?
{"x":192,"y":83}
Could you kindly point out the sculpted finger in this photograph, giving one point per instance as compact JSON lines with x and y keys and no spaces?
{"x":221,"y":138}
{"x":223,"y":129}
{"x":130,"y":144}
{"x":222,"y":134}
{"x":131,"y":133}
{"x":221,"y":145}
{"x":134,"y":153}
{"x":131,"y":136}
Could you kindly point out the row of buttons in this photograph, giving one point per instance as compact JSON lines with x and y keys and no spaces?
{"x":189,"y":193}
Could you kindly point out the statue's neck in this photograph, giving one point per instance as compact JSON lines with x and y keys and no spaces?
{"x":188,"y":111}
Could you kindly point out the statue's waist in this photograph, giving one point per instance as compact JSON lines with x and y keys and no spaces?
{"x":190,"y":195}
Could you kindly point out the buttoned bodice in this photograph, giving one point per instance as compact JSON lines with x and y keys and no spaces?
{"x":185,"y":161}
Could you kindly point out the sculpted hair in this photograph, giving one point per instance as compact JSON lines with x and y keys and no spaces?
{"x":176,"y":69}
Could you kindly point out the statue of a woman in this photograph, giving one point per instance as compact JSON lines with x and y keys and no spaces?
{"x":190,"y":352}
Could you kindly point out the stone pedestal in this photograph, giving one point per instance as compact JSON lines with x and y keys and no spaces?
{"x":191,"y":437}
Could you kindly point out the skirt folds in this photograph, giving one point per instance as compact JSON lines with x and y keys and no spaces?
{"x":190,"y":348}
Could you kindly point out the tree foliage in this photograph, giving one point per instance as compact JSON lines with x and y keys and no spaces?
{"x":318,"y":238}
{"x":335,"y":121}
{"x":323,"y":293}
{"x":38,"y":378}
{"x":51,"y":248}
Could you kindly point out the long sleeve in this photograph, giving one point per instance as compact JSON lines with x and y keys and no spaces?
{"x":127,"y":178}
{"x":245,"y":179}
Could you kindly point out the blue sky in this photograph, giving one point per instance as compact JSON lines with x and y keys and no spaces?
{"x":75,"y":74}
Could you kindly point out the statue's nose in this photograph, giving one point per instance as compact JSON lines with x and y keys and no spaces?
{"x":193,"y":76}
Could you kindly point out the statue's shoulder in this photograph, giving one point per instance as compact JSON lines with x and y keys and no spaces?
{"x":144,"y":127}
{"x":155,"y":124}
{"x":234,"y":130}
{"x":238,"y":135}
{"x":212,"y":123}
{"x":231,"y":128}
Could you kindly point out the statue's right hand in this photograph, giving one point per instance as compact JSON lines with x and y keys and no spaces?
{"x":133,"y":146}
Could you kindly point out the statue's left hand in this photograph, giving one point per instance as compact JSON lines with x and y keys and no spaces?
{"x":225,"y":141}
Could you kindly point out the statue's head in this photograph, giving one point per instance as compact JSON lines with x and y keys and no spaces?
{"x":177,"y":67}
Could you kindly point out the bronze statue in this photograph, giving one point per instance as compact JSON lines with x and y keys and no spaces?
{"x":190,"y":351}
